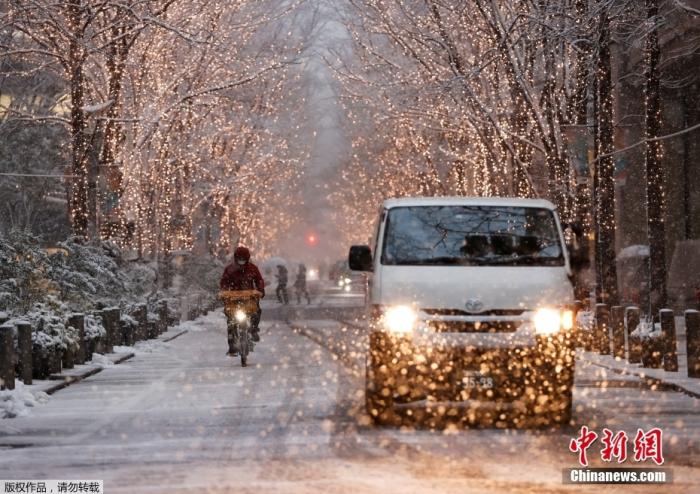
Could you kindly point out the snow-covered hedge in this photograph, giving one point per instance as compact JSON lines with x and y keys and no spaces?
{"x":142,"y":278}
{"x":49,"y":330}
{"x":86,"y":274}
{"x":94,"y":327}
{"x":23,"y":271}
{"x":44,"y":286}
{"x":646,"y":330}
{"x":79,"y":274}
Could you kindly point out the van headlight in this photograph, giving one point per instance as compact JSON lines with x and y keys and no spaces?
{"x":240,"y":316}
{"x":550,"y":321}
{"x":400,"y":319}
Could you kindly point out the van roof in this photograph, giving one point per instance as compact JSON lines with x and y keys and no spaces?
{"x":468,"y":201}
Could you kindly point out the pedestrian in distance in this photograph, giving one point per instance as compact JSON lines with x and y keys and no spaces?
{"x":281,"y":291}
{"x":300,"y":285}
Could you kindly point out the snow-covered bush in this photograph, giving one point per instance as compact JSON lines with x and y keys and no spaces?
{"x":142,"y":278}
{"x":127,"y":320}
{"x":23,"y":271}
{"x":94,"y":327}
{"x":647,"y":339}
{"x":49,"y":330}
{"x":86,"y":274}
{"x":80,"y":274}
{"x":647,"y":330}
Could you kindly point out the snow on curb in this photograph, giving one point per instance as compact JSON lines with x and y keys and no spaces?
{"x":203,"y":323}
{"x":20,"y":401}
{"x":101,"y":361}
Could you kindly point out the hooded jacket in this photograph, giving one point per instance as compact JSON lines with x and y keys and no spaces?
{"x":245,"y":277}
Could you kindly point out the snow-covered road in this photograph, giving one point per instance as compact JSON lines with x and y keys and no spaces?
{"x":182,"y":417}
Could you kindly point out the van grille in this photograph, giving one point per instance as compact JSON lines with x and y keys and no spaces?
{"x":459,"y":312}
{"x":474,"y":326}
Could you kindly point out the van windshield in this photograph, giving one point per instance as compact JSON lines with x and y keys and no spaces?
{"x":471,"y":235}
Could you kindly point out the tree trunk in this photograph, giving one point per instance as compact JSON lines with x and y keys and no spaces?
{"x":654,"y":171}
{"x":687,"y":167}
{"x":116,"y":60}
{"x":605,"y":204}
{"x":78,"y":204}
{"x":578,"y":109}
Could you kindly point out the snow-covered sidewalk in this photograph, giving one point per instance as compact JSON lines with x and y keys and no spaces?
{"x":678,"y":381}
{"x":20,"y":401}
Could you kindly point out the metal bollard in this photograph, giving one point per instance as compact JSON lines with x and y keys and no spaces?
{"x":7,"y":357}
{"x":78,"y":322}
{"x":116,"y":314}
{"x":141,"y":316}
{"x":110,"y":324}
{"x":634,"y":344}
{"x":692,"y":341}
{"x":162,"y":316}
{"x":68,"y":358}
{"x":601,"y":338}
{"x":24,"y":346}
{"x":152,"y":329}
{"x":618,"y":330}
{"x":668,"y":340}
{"x":127,"y":332}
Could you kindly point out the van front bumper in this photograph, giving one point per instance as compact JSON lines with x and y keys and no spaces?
{"x":450,"y":367}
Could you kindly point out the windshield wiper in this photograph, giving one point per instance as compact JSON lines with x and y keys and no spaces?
{"x":529,"y":259}
{"x":443,"y":260}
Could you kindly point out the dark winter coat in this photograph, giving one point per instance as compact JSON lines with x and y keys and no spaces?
{"x":281,"y":276}
{"x":246,"y":277}
{"x":300,"y":282}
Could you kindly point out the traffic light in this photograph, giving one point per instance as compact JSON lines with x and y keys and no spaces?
{"x":311,"y":239}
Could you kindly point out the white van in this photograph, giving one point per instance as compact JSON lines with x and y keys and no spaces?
{"x":471,"y":310}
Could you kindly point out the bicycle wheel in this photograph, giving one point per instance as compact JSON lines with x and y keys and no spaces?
{"x":244,"y":346}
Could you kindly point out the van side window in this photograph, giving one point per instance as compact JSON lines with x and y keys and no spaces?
{"x":376,"y":231}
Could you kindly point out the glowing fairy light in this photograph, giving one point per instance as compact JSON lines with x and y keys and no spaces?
{"x":475,"y":110}
{"x":197,"y":128}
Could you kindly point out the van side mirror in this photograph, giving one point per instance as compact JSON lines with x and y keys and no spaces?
{"x":360,"y":258}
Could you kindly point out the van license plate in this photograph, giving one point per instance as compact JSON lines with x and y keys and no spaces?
{"x":476,"y":380}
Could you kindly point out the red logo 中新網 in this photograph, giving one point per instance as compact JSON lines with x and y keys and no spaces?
{"x":582,"y":443}
{"x":615,"y":446}
{"x":647,"y":445}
